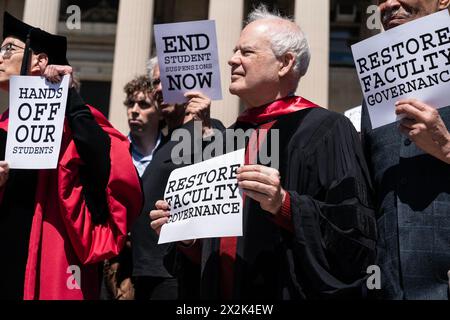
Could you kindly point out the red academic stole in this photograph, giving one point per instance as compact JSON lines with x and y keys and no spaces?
{"x":265,"y":117}
{"x":4,"y":120}
{"x":275,"y":110}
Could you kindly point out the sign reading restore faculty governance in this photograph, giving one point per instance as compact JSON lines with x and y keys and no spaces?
{"x":205,"y":200}
{"x":409,"y":61}
{"x":36,"y":121}
{"x":188,"y":60}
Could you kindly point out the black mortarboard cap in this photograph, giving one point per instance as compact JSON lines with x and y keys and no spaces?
{"x":38,"y":40}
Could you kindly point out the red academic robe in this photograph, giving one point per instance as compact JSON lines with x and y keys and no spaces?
{"x":63,"y":237}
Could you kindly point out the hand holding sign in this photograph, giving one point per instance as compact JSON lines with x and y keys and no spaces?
{"x":408,"y":61}
{"x":36,"y":121}
{"x":204,"y":200}
{"x":424,"y":126}
{"x":262,"y":184}
{"x":4,"y":172}
{"x":54,"y":73}
{"x":161,"y":216}
{"x":188,"y":60}
{"x":199,"y":107}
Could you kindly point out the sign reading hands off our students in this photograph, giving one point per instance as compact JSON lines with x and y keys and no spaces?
{"x":36,"y":122}
{"x":205,"y":200}
{"x":409,"y":61}
{"x":188,"y":60}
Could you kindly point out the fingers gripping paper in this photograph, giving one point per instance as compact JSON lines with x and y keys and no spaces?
{"x":408,"y":61}
{"x":205,"y":200}
{"x":36,"y":121}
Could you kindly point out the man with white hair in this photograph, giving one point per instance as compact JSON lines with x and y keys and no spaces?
{"x":309,"y":227}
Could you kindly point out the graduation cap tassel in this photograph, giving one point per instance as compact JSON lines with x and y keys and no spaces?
{"x":26,"y":57}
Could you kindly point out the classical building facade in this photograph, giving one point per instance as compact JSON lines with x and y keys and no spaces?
{"x":113,"y":41}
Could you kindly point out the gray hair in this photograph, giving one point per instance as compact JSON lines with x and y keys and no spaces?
{"x":291,"y":39}
{"x":151,"y":64}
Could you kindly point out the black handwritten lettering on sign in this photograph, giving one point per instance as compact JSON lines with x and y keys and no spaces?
{"x":41,"y":93}
{"x":191,"y":42}
{"x":189,"y":81}
{"x":202,"y":191}
{"x":188,"y":60}
{"x":37,"y":133}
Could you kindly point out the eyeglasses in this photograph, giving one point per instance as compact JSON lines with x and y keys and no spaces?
{"x":8,"y":50}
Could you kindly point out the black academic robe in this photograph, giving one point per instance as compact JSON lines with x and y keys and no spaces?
{"x":323,"y":169}
{"x":79,"y":218}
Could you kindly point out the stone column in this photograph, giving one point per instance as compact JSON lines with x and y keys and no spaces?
{"x":15,"y":7}
{"x":43,"y":14}
{"x":228,"y":16}
{"x":133,"y":40}
{"x":313,"y":16}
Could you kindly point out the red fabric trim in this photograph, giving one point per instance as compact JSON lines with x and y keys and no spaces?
{"x":275,"y":109}
{"x":228,"y":246}
{"x":284,"y":217}
{"x":228,"y":249}
{"x":3,"y":126}
{"x":62,"y":233}
{"x":4,"y":120}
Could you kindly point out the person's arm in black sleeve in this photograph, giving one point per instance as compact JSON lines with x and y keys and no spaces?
{"x":93,"y":146}
{"x":333,"y":218}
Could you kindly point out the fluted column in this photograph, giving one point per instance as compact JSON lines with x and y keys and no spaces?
{"x":133,"y":39}
{"x":228,"y":16}
{"x":313,"y":16}
{"x":43,"y":14}
{"x":15,"y":7}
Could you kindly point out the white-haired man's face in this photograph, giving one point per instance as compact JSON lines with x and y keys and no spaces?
{"x":397,"y":12}
{"x":254,"y":67}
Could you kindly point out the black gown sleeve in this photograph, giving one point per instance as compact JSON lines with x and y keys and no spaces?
{"x":2,"y":145}
{"x":93,"y":146}
{"x":366,"y":128}
{"x":332,"y":213}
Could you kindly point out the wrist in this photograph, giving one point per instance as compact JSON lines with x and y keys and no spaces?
{"x":445,"y":151}
{"x":280,"y":205}
{"x":187,"y":243}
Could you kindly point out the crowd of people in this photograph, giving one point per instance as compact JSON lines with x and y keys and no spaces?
{"x":335,"y":204}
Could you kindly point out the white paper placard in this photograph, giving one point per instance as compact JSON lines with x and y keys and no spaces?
{"x":205,"y":200}
{"x":409,"y":61}
{"x":188,"y":60}
{"x":36,"y":121}
{"x":354,"y":114}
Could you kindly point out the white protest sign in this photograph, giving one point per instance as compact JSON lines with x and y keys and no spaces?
{"x":36,"y":122}
{"x":205,"y":200}
{"x":354,"y":115}
{"x":408,"y":61}
{"x":188,"y":60}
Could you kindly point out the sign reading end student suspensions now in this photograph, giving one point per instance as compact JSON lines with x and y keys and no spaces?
{"x":409,"y":61}
{"x":188,"y":60}
{"x":36,"y":121}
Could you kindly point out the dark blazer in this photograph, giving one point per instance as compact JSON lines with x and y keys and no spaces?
{"x":147,"y":254}
{"x":413,"y":202}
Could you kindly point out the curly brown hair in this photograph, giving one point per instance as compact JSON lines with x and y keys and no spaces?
{"x":138,"y":84}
